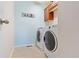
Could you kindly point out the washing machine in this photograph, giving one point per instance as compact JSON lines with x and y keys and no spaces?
{"x":39,"y":40}
{"x":50,"y":40}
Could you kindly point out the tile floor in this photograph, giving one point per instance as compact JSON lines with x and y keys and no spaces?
{"x":28,"y":52}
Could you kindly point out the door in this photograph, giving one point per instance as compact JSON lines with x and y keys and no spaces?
{"x":6,"y":28}
{"x":50,"y":41}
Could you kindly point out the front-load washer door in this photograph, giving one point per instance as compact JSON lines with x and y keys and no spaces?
{"x":50,"y":40}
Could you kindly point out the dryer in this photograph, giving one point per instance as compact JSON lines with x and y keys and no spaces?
{"x":39,"y":40}
{"x":50,"y":40}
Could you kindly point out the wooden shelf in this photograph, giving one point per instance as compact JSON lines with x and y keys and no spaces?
{"x":49,"y":11}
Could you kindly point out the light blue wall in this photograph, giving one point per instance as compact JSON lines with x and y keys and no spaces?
{"x":25,"y":31}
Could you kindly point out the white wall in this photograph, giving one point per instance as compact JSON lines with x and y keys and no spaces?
{"x":68,"y":28}
{"x":26,"y":27}
{"x":7,"y":30}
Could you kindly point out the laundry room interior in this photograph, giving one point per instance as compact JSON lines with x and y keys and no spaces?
{"x":39,"y":29}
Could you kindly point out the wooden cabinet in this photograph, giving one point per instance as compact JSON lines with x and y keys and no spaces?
{"x":46,"y":14}
{"x":49,"y":11}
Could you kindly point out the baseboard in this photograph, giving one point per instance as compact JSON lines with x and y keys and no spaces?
{"x":24,"y":45}
{"x":12,"y":50}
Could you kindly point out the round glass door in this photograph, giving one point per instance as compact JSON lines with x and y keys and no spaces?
{"x":49,"y":40}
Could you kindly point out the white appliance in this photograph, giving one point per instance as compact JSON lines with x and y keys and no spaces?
{"x":39,"y":41}
{"x":50,"y":40}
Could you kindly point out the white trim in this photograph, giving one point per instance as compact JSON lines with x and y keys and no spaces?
{"x":24,"y":45}
{"x":12,"y":50}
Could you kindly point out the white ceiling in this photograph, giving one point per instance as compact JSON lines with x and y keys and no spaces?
{"x":41,"y":3}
